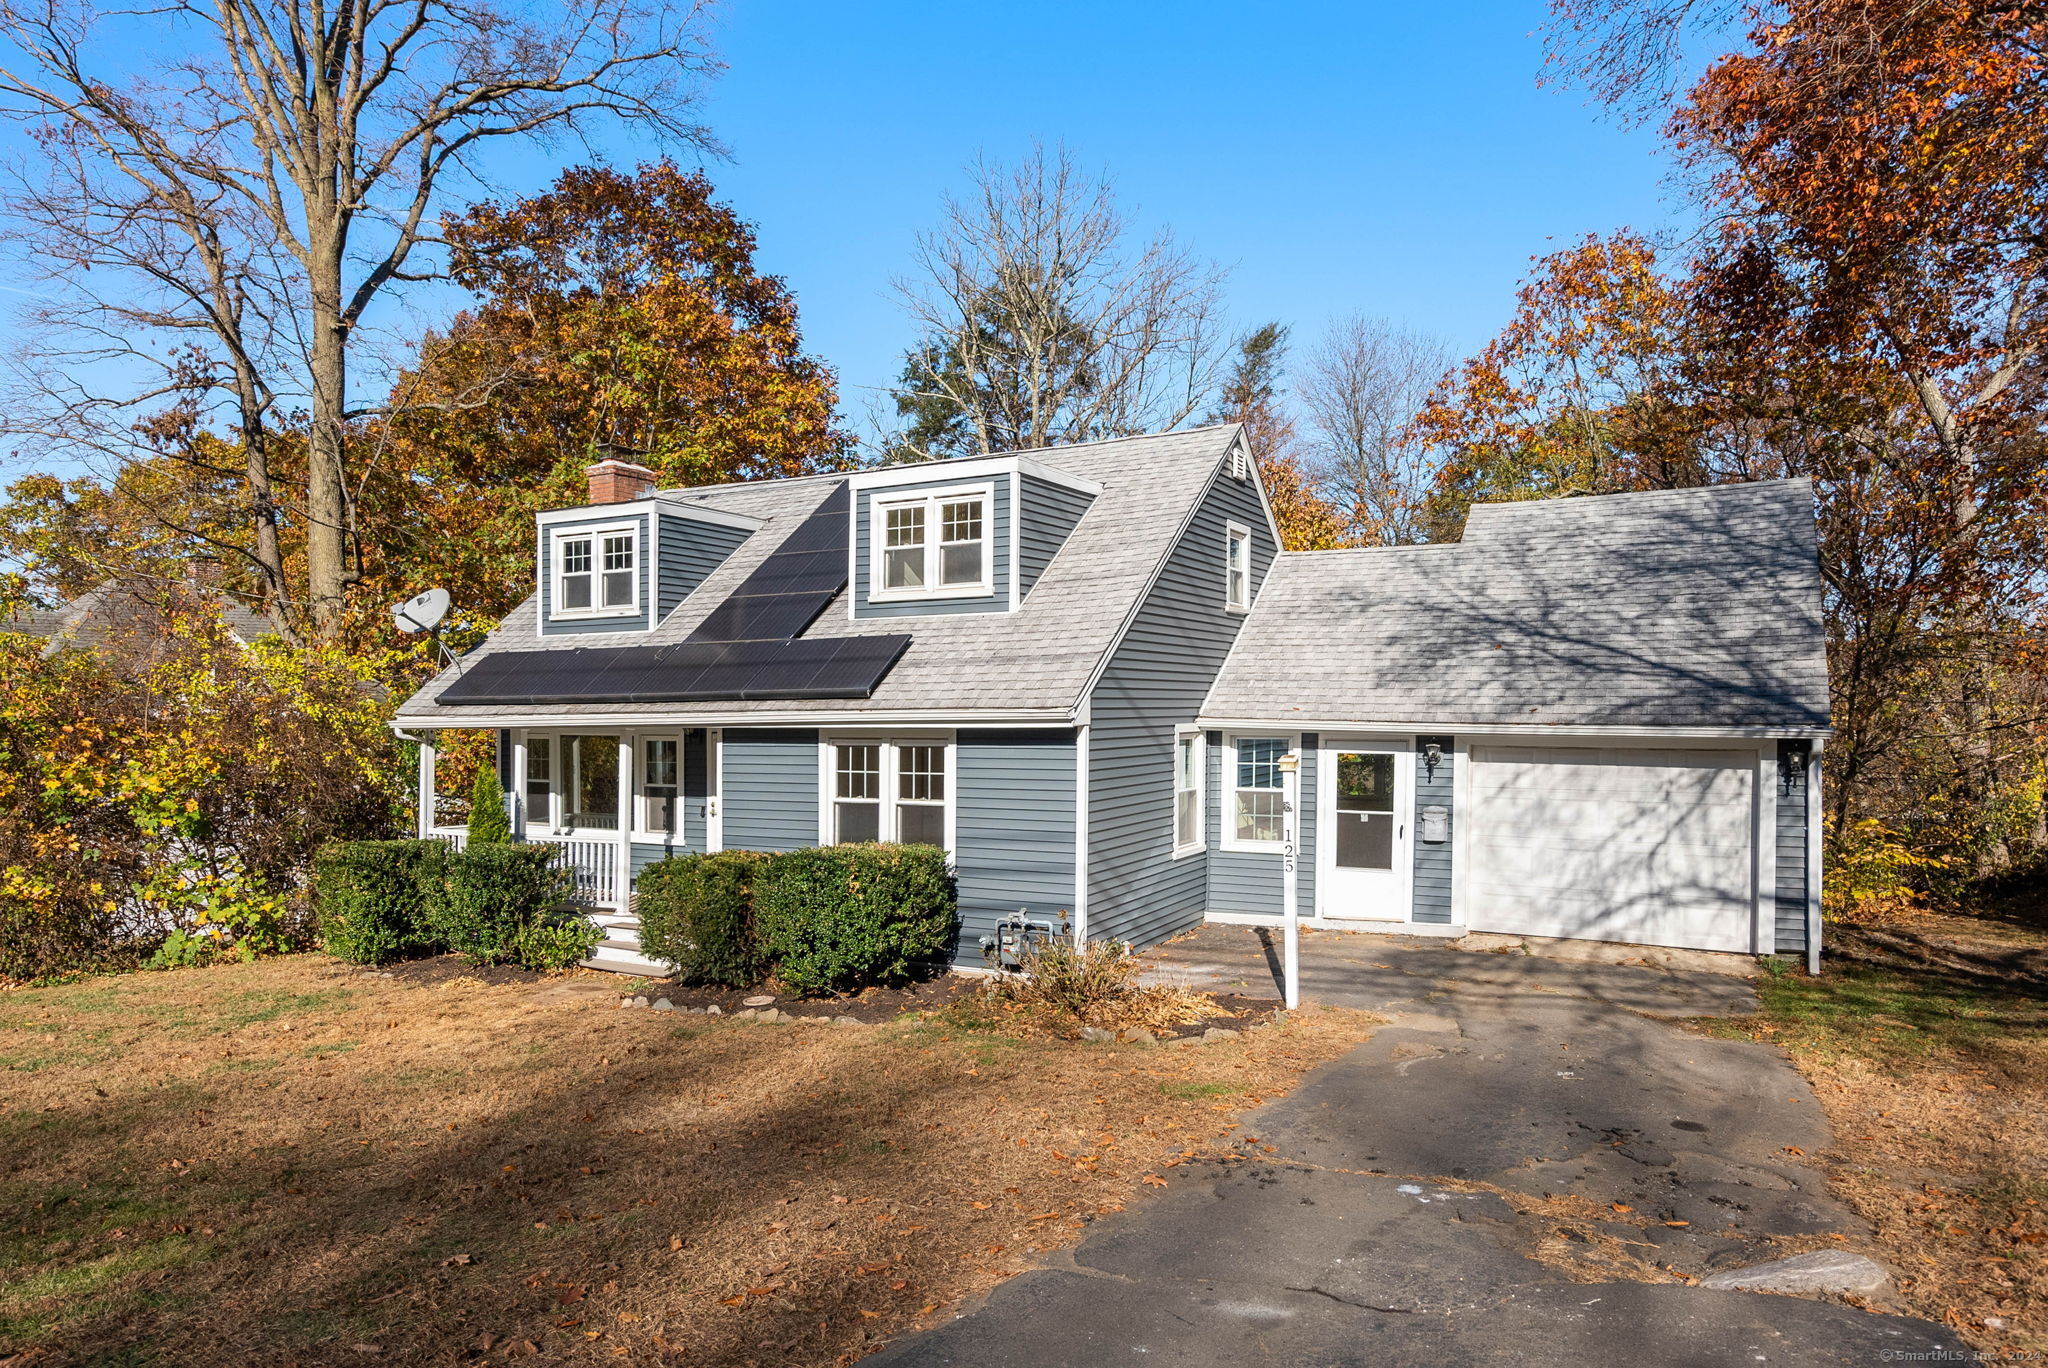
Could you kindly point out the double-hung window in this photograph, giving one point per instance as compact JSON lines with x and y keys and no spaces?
{"x":1237,"y":568}
{"x":597,"y":572}
{"x":540,"y":782}
{"x":660,"y":785}
{"x":932,"y":545}
{"x":1254,"y":818}
{"x":1188,"y":836}
{"x":879,"y":790}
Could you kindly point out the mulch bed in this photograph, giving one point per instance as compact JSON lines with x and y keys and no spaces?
{"x":869,"y":1007}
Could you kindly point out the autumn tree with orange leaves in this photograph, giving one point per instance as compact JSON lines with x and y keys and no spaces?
{"x":1868,"y":311}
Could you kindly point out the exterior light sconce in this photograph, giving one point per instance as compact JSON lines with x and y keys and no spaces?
{"x":1432,"y":756}
{"x":1792,"y":768}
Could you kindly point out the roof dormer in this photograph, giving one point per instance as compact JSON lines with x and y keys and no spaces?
{"x":967,"y":536}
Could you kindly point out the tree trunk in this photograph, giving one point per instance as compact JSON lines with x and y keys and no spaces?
{"x":327,"y":570}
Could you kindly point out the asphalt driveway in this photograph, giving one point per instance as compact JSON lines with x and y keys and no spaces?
{"x":1382,"y":1227}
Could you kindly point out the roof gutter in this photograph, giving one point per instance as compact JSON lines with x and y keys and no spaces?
{"x":599,"y":722}
{"x":1304,"y":722}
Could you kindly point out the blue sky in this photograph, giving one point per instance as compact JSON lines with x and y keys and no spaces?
{"x":1388,"y":159}
{"x":1398,"y":160}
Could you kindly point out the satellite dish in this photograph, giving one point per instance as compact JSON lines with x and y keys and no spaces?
{"x":422,"y":612}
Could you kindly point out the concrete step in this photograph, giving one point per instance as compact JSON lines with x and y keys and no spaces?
{"x":609,"y":920}
{"x":625,"y":960}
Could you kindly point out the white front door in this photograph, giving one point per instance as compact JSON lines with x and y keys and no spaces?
{"x":1365,"y":803}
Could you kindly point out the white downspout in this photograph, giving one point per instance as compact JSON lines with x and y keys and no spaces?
{"x":517,"y":797}
{"x":622,"y":870}
{"x":1814,"y":871}
{"x":1081,"y":833}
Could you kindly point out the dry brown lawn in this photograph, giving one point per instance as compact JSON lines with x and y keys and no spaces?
{"x":291,"y":1162}
{"x":1927,"y":1041}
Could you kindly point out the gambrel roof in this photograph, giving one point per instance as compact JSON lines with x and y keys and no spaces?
{"x":1691,"y":608}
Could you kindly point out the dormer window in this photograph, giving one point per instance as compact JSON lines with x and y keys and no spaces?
{"x":597,"y":572}
{"x":932,"y":545}
{"x":1237,"y":568}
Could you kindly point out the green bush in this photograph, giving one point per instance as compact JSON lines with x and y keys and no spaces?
{"x":371,"y":898}
{"x":696,"y":916}
{"x":838,"y":918}
{"x":487,"y":894}
{"x":488,"y":822}
{"x":555,"y":940}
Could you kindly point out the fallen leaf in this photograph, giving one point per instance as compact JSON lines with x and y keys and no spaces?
{"x":983,"y":1206}
{"x":740,"y":1300}
{"x":458,"y":1261}
{"x":1621,"y":1206}
{"x":1678,"y":1225}
{"x":899,"y":1284}
{"x":1153,"y":1180}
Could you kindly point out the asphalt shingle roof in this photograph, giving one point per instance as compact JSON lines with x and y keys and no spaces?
{"x":1041,"y":657}
{"x":1678,"y":608}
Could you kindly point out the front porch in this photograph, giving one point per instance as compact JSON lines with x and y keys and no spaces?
{"x":608,"y":802}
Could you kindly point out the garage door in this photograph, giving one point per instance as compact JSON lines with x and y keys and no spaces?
{"x":1646,"y":846}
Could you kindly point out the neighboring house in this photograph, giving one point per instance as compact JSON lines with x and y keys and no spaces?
{"x":1080,"y":671}
{"x":131,"y":612}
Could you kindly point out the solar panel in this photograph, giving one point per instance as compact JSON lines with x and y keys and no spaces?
{"x":827,"y":667}
{"x":747,"y":647}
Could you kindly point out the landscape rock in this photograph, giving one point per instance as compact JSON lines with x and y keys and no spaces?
{"x":746,"y":1014}
{"x":1138,"y":1035}
{"x":769,"y":1014}
{"x":663,"y":1005}
{"x":1824,"y":1271}
{"x":1221,"y":1033}
{"x":845,"y":1021}
{"x":714,"y":1010}
{"x":625,"y":1002}
{"x":1096,"y":1033}
{"x":813,"y":1021}
{"x":639,"y":1001}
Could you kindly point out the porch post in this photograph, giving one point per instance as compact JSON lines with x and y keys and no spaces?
{"x":518,"y":794}
{"x":426,"y":781}
{"x":622,"y":872}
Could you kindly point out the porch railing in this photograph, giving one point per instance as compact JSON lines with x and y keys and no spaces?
{"x":593,"y":865}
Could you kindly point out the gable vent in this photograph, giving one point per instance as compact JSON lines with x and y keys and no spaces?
{"x":1240,"y":463}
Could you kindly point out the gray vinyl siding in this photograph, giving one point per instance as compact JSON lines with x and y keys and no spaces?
{"x":998,"y":529}
{"x":690,"y":550}
{"x":770,"y":788}
{"x":1432,"y":896}
{"x":1791,"y":837}
{"x":1251,"y":881}
{"x":1050,"y":511}
{"x":1013,"y":830}
{"x":1154,"y":682}
{"x":586,"y":626}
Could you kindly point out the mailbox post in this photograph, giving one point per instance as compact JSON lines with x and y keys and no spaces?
{"x":1290,"y":794}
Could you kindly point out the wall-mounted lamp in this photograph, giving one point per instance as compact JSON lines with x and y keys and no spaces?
{"x":1792,"y":768}
{"x":1432,"y":756}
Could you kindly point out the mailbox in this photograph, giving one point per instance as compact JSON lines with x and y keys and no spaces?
{"x":1436,"y":824}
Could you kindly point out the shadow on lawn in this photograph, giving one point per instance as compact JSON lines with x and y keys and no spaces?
{"x":552,"y":1222}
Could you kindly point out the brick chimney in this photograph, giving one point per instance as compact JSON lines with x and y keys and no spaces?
{"x":616,"y":481}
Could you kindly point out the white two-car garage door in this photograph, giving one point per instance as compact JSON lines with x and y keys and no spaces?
{"x":1646,"y":846}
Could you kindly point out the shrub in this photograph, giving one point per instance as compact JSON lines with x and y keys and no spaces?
{"x":696,"y":916}
{"x":836,"y":918}
{"x":487,"y":894}
{"x":488,"y":822}
{"x":1096,"y":983}
{"x":554,"y":941}
{"x":371,"y":898}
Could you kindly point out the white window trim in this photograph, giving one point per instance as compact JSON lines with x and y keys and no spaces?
{"x":642,"y":834}
{"x":1226,"y":792}
{"x":1201,"y":841}
{"x":888,"y":741}
{"x":1231,"y":532}
{"x":879,"y":503}
{"x":594,"y":531}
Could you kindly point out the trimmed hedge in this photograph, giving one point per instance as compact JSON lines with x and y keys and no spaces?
{"x":839,"y":918}
{"x":555,"y":941}
{"x":487,"y":894}
{"x":696,"y":916}
{"x":371,"y":898}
